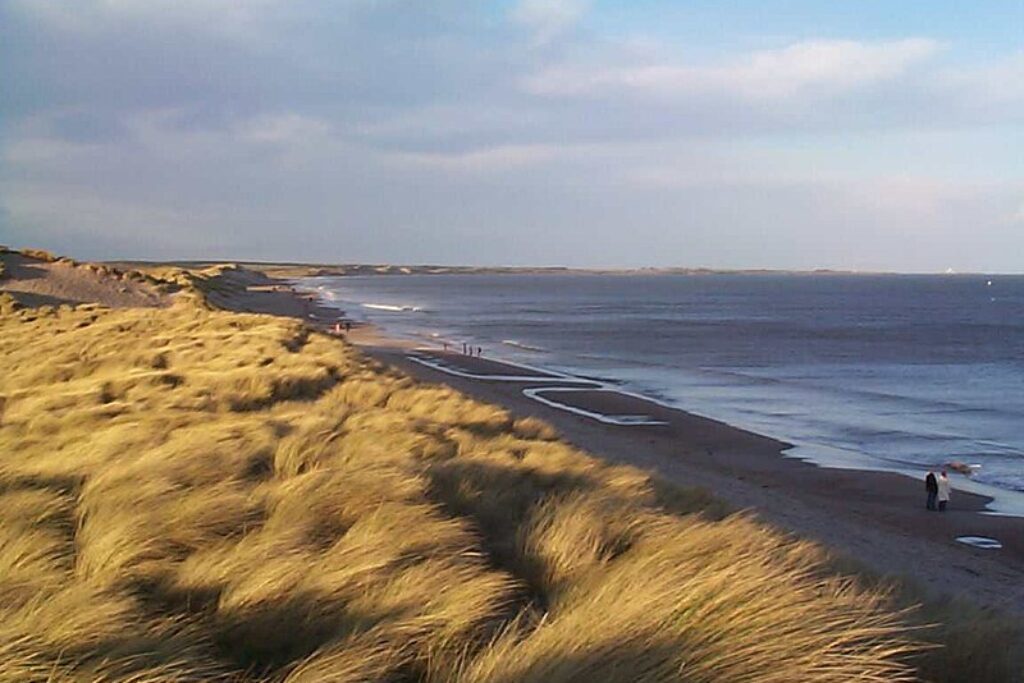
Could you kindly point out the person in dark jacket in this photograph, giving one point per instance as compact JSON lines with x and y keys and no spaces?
{"x":931,"y":485}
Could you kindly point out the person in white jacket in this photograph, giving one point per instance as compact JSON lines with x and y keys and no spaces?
{"x":943,"y":496}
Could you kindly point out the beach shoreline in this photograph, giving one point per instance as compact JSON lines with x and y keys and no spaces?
{"x":877,"y":519}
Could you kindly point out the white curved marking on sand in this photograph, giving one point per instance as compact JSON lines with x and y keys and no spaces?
{"x":544,"y":373}
{"x":619,"y":420}
{"x":982,"y":542}
{"x":548,"y":377}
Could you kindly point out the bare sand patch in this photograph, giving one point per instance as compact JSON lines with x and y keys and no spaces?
{"x":38,"y":282}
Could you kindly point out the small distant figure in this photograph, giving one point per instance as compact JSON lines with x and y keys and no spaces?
{"x":348,"y":326}
{"x":943,"y":490}
{"x":337,"y":328}
{"x":445,"y":344}
{"x":463,"y":348}
{"x":931,"y":485}
{"x":479,"y":351}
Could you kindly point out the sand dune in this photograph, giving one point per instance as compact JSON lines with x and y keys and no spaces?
{"x":40,"y":282}
{"x":242,"y":498}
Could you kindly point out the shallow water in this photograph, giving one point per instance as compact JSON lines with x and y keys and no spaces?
{"x":884,"y":372}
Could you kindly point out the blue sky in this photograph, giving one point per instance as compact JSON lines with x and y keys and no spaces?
{"x":859,"y":135}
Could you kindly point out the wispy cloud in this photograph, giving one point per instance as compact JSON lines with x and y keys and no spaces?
{"x":820,"y":67}
{"x":1018,"y":215}
{"x":217,"y":17}
{"x":547,"y":19}
{"x":499,"y":158}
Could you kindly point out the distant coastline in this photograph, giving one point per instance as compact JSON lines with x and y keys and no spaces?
{"x":289,"y":269}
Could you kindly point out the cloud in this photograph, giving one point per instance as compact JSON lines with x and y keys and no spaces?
{"x":223,"y":59}
{"x":284,"y":129}
{"x":221,"y":17}
{"x":991,"y":91}
{"x":87,"y":127}
{"x":1018,"y":215}
{"x":498,"y":158}
{"x":821,"y":67}
{"x":547,"y":19}
{"x":446,"y":131}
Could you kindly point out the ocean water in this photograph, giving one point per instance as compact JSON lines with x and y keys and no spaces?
{"x":875,"y":372}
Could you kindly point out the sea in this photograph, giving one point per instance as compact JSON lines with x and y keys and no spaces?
{"x":877,"y":372}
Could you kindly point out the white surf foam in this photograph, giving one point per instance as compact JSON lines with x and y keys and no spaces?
{"x":392,"y":308}
{"x":520,"y":345}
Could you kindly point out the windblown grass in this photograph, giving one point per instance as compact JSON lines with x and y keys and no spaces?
{"x":189,"y":494}
{"x":39,"y":254}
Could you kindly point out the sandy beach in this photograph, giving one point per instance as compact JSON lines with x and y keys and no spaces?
{"x":876,"y":519}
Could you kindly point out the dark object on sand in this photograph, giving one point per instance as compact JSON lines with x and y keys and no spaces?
{"x":931,"y":485}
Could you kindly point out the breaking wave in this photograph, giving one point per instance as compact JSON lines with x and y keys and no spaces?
{"x":393,"y":308}
{"x":520,"y":345}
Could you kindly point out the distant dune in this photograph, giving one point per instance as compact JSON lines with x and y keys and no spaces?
{"x":37,"y":278}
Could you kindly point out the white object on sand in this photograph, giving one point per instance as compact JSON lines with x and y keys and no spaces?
{"x":982,"y":542}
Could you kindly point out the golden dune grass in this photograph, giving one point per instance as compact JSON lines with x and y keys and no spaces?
{"x":188,"y":494}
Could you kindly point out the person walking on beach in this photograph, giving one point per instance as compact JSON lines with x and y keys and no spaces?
{"x":943,"y":491}
{"x":931,"y":485}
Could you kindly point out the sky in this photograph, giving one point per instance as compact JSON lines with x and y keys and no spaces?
{"x":867,"y":135}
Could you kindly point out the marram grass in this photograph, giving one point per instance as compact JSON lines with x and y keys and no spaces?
{"x":189,"y":494}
